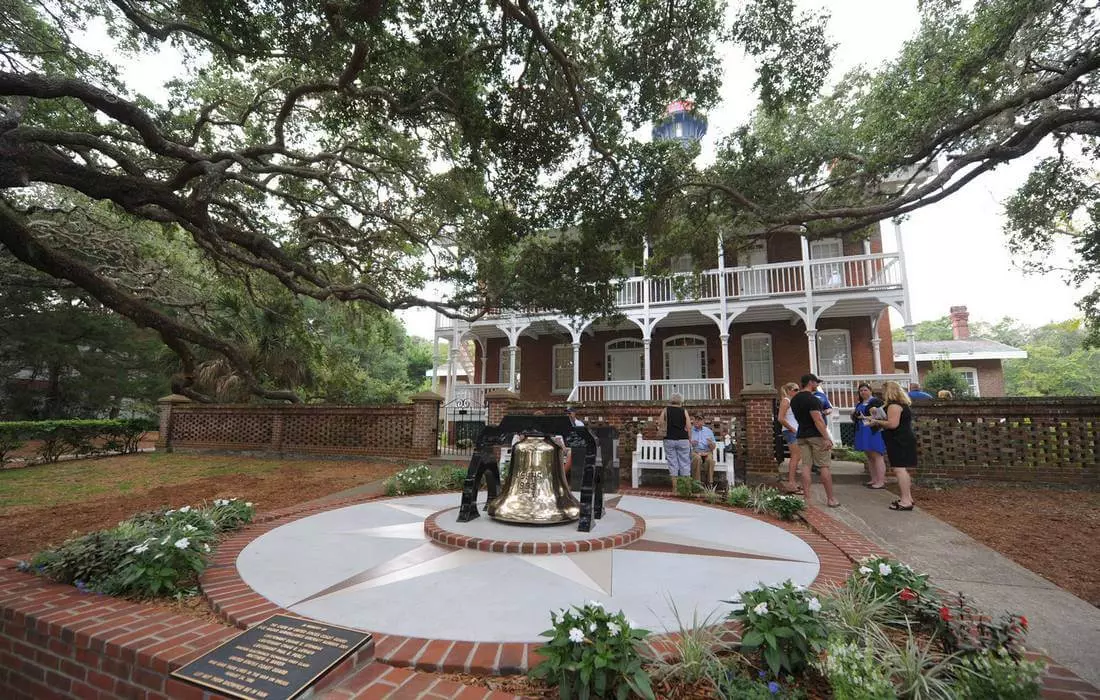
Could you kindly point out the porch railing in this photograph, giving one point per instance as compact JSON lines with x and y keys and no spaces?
{"x":658,"y":390}
{"x":781,"y":279}
{"x":473,"y":395}
{"x":842,"y":388}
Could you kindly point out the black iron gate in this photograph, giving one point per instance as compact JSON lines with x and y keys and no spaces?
{"x":462,"y":421}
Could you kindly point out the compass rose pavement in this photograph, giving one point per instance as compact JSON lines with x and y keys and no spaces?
{"x":372,"y":566}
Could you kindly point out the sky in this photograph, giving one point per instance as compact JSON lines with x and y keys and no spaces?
{"x":955,"y":250}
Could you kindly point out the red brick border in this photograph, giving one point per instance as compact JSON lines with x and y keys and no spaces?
{"x":237,"y":603}
{"x":437,"y":533}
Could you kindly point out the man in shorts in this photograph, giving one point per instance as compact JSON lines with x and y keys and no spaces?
{"x":813,"y":437}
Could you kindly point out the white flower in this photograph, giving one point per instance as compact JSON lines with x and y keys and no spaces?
{"x":885,"y":569}
{"x":140,"y":548}
{"x":592,"y":627}
{"x":248,"y":504}
{"x":864,"y":570}
{"x":206,"y":548}
{"x":761,"y":609}
{"x":613,"y":629}
{"x":799,"y":587}
{"x":221,"y":502}
{"x":189,"y":528}
{"x":576,"y":636}
{"x":182,"y":543}
{"x":814,"y":605}
{"x":169,"y":511}
{"x":595,"y":604}
{"x":185,"y":509}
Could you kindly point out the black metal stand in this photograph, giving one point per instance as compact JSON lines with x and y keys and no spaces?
{"x":480,"y":466}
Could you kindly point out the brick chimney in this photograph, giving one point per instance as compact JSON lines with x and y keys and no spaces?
{"x":960,"y":327}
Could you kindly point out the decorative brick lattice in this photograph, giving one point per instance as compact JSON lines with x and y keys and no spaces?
{"x":1016,"y":439}
{"x":229,"y":426}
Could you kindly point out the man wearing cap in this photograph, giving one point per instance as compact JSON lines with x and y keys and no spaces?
{"x":577,"y":422}
{"x":813,"y":437}
{"x":702,"y":450}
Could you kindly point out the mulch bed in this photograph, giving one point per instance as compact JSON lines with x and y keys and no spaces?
{"x":1050,"y":531}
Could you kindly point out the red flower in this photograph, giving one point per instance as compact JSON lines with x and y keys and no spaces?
{"x":907,"y":594}
{"x":1023,"y":621}
{"x":945,"y":614}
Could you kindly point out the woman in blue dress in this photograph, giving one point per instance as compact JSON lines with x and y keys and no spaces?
{"x":870,"y":441}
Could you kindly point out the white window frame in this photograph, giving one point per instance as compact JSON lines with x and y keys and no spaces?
{"x":975,"y":389}
{"x":699,"y":342}
{"x":832,"y":274}
{"x":847,"y":343}
{"x":624,"y":344}
{"x":555,"y":367}
{"x":745,"y":339}
{"x":502,"y":369}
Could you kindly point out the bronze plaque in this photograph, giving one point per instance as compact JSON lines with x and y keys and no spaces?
{"x":275,"y":659}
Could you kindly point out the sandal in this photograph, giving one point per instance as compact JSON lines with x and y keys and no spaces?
{"x":867,"y":485}
{"x":838,"y":504}
{"x":896,"y":505}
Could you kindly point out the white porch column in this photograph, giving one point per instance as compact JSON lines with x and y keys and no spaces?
{"x":911,"y":341}
{"x":435,"y":362}
{"x":876,"y":343}
{"x":725,"y":338}
{"x":576,"y":365}
{"x":648,"y":377}
{"x":512,"y":368}
{"x":452,"y":362}
{"x":811,"y":341}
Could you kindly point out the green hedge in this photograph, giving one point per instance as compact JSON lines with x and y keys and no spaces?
{"x":78,"y":437}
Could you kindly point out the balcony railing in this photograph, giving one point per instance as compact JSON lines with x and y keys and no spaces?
{"x":473,"y":395}
{"x":842,"y":389}
{"x":658,"y":390}
{"x":772,"y":280}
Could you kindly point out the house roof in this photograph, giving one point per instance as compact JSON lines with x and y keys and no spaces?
{"x":442,"y":368}
{"x":955,"y":350}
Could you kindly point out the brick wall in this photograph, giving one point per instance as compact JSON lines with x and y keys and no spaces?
{"x":403,"y":430}
{"x":1011,"y":439}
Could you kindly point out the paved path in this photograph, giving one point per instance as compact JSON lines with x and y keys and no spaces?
{"x":1064,"y":626}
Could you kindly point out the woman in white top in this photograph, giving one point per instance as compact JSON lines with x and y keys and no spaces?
{"x":790,"y":434}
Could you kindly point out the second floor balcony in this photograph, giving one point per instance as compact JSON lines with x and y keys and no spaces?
{"x":765,"y":282}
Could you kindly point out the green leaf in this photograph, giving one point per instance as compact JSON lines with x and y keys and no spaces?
{"x":752,"y":639}
{"x":773,"y":657}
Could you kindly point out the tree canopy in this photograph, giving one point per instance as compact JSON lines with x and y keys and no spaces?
{"x":356,"y":150}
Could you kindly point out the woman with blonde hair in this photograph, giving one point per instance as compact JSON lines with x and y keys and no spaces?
{"x":901,"y":442}
{"x":790,"y":434}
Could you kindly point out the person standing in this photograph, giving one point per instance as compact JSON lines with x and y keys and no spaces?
{"x":869,"y":440}
{"x":673,"y":421}
{"x":813,"y":438}
{"x":790,"y":434}
{"x":901,"y":441}
{"x":702,"y":450}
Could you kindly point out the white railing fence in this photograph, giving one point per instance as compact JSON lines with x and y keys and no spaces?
{"x":842,"y":389}
{"x":659,"y":390}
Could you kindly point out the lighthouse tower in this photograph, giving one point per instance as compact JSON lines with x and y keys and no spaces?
{"x":681,"y":122}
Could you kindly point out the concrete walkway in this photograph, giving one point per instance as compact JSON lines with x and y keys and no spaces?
{"x":1061,"y":624}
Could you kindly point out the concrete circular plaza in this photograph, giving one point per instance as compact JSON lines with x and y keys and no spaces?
{"x":374,"y":566}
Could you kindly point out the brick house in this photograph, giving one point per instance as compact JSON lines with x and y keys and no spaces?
{"x":760,"y":317}
{"x":980,"y":361}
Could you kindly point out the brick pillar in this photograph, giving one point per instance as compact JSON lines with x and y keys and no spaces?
{"x":165,"y":407}
{"x":425,"y":433}
{"x":278,"y":427}
{"x":760,"y":429}
{"x":499,"y":404}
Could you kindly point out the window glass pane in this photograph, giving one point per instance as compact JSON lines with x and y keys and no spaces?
{"x":563,"y":368}
{"x":502,"y":373}
{"x":834,"y":355}
{"x":756,"y":357}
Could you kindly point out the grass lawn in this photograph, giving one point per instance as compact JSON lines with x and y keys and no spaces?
{"x":47,"y":503}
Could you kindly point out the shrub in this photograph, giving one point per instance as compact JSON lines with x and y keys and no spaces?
{"x":964,"y":628}
{"x":891,"y":578}
{"x":855,"y":606}
{"x":760,"y":496}
{"x":944,"y":376}
{"x":995,"y":674}
{"x":854,"y":673}
{"x":74,"y":436}
{"x":785,"y":507}
{"x":450,"y":478}
{"x":686,"y":487}
{"x":694,"y":651}
{"x":152,"y":554}
{"x":848,"y":454}
{"x":784,"y":622}
{"x":917,"y":670}
{"x":415,"y":479}
{"x":738,"y":496}
{"x":711,"y":494}
{"x":592,"y":653}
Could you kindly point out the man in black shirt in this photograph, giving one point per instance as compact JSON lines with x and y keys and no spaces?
{"x":813,"y":437}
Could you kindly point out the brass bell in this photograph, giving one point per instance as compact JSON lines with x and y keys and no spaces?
{"x":536,"y":491}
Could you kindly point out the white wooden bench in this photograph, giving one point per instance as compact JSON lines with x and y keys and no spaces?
{"x":650,"y":454}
